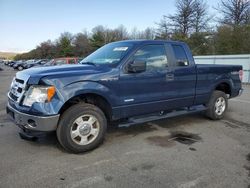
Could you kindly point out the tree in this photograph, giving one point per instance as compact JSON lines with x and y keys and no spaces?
{"x":81,"y":45}
{"x":149,"y":33}
{"x":98,"y":39}
{"x":191,"y":16}
{"x":46,"y":50}
{"x":200,"y":17}
{"x":162,"y":31}
{"x":64,"y":45}
{"x":121,"y":33}
{"x":182,"y":21}
{"x":234,"y":12}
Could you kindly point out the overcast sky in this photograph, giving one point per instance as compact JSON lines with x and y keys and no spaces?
{"x":26,"y":23}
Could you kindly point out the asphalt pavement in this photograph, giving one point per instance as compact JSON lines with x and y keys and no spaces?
{"x":183,"y":152}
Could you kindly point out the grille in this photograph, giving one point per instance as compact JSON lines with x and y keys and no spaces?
{"x":17,"y":88}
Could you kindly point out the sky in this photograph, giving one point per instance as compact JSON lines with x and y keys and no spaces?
{"x":24,"y":24}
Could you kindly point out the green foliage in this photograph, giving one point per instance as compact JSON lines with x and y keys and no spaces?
{"x":97,"y":40}
{"x":232,"y":40}
{"x":199,"y":43}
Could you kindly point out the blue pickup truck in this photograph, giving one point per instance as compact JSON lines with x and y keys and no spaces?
{"x":126,"y":82}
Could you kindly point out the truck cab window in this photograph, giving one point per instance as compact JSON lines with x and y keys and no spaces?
{"x":154,"y":56}
{"x":180,"y":56}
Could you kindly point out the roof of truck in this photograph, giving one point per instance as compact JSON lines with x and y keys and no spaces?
{"x":147,"y":41}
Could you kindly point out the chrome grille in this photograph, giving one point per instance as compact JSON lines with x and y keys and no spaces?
{"x":18,"y":87}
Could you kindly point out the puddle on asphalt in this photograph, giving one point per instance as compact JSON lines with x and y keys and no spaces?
{"x":108,"y":178}
{"x":144,"y":166}
{"x":132,"y":130}
{"x":247,"y":167}
{"x":162,"y":141}
{"x":177,"y":136}
{"x":185,"y":137}
{"x":248,"y":157}
{"x":192,"y":149}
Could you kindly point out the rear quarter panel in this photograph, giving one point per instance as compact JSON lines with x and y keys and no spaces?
{"x":210,"y":76}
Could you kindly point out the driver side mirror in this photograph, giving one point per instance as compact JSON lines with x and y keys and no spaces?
{"x":137,"y":66}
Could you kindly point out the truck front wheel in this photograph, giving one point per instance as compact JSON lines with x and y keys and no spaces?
{"x":81,"y":128}
{"x":217,"y":105}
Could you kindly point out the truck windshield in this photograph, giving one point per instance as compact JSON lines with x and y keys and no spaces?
{"x":109,"y":54}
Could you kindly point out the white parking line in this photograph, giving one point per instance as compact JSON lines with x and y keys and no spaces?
{"x":239,"y":100}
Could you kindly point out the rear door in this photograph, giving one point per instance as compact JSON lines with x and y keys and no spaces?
{"x":184,"y":71}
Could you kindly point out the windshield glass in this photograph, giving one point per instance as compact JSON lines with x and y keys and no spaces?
{"x":109,"y":54}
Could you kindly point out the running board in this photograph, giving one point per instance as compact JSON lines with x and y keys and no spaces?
{"x":154,"y":117}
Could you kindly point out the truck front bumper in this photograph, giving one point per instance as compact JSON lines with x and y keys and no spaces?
{"x":32,"y":122}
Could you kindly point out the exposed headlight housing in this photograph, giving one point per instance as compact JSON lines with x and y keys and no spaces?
{"x":39,"y":94}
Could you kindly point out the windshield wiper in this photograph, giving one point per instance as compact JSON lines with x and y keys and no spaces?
{"x":89,"y":63}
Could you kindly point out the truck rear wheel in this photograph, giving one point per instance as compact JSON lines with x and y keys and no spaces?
{"x":81,"y":128}
{"x":217,"y":105}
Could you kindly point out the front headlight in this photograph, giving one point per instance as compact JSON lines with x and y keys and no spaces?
{"x":39,"y":94}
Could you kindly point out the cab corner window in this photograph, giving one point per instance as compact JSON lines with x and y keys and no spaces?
{"x":153,"y":55}
{"x":180,"y":56}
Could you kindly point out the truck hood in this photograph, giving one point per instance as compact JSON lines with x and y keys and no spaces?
{"x":36,"y":73}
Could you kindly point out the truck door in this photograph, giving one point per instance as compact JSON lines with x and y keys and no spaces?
{"x":148,"y":91}
{"x":184,"y":74}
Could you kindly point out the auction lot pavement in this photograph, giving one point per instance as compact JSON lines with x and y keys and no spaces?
{"x":156,"y":154}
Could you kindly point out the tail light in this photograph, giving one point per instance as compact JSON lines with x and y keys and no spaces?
{"x":241,"y":75}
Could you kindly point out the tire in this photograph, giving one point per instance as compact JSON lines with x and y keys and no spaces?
{"x":20,"y":68}
{"x":217,"y":105}
{"x":81,"y":128}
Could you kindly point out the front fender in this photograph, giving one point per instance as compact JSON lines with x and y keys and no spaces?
{"x":85,"y":87}
{"x":64,"y":94}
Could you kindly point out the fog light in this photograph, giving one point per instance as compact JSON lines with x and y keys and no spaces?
{"x":31,"y":123}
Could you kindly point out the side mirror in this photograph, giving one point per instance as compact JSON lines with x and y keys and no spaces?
{"x":182,"y":62}
{"x":137,"y":66}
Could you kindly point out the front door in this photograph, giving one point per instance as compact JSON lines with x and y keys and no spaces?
{"x":149,"y":91}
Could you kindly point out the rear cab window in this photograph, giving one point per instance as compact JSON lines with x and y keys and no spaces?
{"x":180,"y":56}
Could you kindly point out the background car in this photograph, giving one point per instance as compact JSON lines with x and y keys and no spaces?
{"x":35,"y":63}
{"x":62,"y":61}
{"x":20,"y":65}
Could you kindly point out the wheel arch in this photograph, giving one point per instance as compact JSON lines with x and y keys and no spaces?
{"x":224,"y":86}
{"x":90,"y":98}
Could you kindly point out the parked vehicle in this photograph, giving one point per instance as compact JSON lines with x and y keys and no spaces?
{"x":7,"y":62}
{"x":11,"y":63}
{"x":128,"y":82}
{"x":21,"y":65}
{"x":62,"y":61}
{"x":35,"y":63}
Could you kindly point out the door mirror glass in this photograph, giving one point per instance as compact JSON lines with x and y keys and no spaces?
{"x":137,"y":66}
{"x":181,"y":63}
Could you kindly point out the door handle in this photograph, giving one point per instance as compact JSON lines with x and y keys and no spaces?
{"x":169,"y":76}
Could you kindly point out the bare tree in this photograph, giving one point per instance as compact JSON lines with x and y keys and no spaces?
{"x":81,"y":45}
{"x":148,"y":33}
{"x":182,"y":21}
{"x":121,"y":33}
{"x":200,"y":17}
{"x":191,"y":16}
{"x":235,"y":12}
{"x":163,"y":29}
